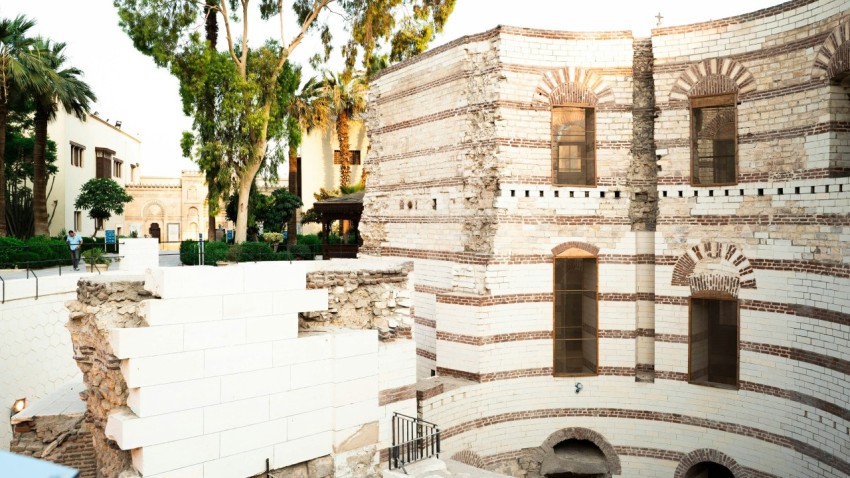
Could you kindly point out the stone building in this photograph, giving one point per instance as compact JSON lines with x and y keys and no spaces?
{"x":628,"y":249}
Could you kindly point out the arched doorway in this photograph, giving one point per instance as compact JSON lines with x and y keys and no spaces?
{"x":707,"y":469}
{"x":154,"y":231}
{"x":575,"y":458}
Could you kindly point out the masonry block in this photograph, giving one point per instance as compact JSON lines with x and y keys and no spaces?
{"x":161,"y":369}
{"x":237,"y":358}
{"x":310,"y":374}
{"x":302,"y":449}
{"x":357,"y":390}
{"x":350,"y":343}
{"x":355,"y":414}
{"x":253,"y":304}
{"x":129,"y":431}
{"x":275,"y":276}
{"x":273,"y":327}
{"x":146,"y":341}
{"x":175,"y":455}
{"x":206,"y":335}
{"x":249,"y":463}
{"x":306,"y":348}
{"x":254,"y":384}
{"x":302,"y":400}
{"x":236,"y":414}
{"x":194,"y":471}
{"x":181,"y":310}
{"x":198,"y":281}
{"x":309,"y":423}
{"x":250,"y":437}
{"x":300,"y":301}
{"x":172,"y":397}
{"x":352,"y":368}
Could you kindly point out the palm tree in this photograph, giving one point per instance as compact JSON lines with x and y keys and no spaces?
{"x":65,"y":89}
{"x":21,"y":68}
{"x":308,"y":109}
{"x":346,"y":97}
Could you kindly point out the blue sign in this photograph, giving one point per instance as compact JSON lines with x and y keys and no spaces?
{"x":110,"y":236}
{"x":230,"y":235}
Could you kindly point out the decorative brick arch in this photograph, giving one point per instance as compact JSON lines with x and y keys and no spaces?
{"x":713,"y":76}
{"x":707,"y":283}
{"x":578,"y":433}
{"x":470,"y":458}
{"x":572,"y":85}
{"x":711,"y":455}
{"x":589,"y":248}
{"x":833,"y":58}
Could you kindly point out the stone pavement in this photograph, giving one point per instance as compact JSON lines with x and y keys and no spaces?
{"x":436,"y":468}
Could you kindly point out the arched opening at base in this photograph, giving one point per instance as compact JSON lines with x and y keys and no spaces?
{"x":708,"y":469}
{"x":576,"y":458}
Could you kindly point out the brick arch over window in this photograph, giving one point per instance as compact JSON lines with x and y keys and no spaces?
{"x":572,"y":85}
{"x":703,"y":283}
{"x":589,"y":248}
{"x":578,"y":433}
{"x":469,"y":457}
{"x":710,"y":455}
{"x":833,"y":58}
{"x":713,"y":76}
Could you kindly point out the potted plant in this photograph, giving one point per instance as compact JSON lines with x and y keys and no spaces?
{"x":273,"y":238}
{"x":95,"y":259}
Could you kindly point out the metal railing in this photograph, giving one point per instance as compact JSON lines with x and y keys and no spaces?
{"x":413,"y":440}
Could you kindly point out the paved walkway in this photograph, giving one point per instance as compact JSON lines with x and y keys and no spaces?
{"x":166,"y":259}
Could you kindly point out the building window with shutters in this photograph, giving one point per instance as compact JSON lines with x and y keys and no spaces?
{"x":573,"y":145}
{"x":103,"y":162}
{"x":714,"y":140}
{"x":117,"y":168}
{"x":77,"y":151}
{"x":576,"y":314}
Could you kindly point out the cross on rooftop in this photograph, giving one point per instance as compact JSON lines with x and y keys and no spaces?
{"x":659,"y":17}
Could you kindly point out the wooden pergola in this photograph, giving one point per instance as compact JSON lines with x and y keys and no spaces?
{"x":343,"y":208}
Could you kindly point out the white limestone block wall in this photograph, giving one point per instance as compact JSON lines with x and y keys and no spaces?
{"x":138,"y":254}
{"x":220,"y":380}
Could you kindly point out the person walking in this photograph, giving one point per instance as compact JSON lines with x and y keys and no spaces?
{"x":75,"y":243}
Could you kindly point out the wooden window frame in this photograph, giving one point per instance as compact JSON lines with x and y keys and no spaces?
{"x":117,"y":168}
{"x":82,"y":150}
{"x":706,"y":101}
{"x":717,"y":297}
{"x":573,"y":253}
{"x":554,"y":146}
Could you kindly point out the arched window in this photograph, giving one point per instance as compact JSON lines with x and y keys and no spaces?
{"x":575,"y":313}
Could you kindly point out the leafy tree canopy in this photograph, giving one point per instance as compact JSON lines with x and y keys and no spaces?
{"x":278,"y":211}
{"x":102,"y":197}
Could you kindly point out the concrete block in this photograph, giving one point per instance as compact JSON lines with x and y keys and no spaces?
{"x":355,"y":414}
{"x":250,"y":463}
{"x":237,"y":358}
{"x":352,"y":391}
{"x":300,"y":301}
{"x":302,"y":400}
{"x":251,"y":437}
{"x":352,"y":368}
{"x":194,"y":471}
{"x":275,"y":276}
{"x":350,"y":343}
{"x":180,"y":311}
{"x":310,"y":374}
{"x":175,"y":455}
{"x":130,"y":431}
{"x":309,"y":423}
{"x":146,"y":341}
{"x":306,"y":348}
{"x":251,"y":304}
{"x":161,"y":369}
{"x":198,"y":281}
{"x":273,"y":327}
{"x":172,"y":397}
{"x":303,"y":449}
{"x":206,"y":335}
{"x":254,"y":384}
{"x":236,"y":414}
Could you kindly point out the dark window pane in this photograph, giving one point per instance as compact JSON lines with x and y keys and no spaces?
{"x":714,"y":144}
{"x":575,"y":327}
{"x":714,"y":341}
{"x":573,"y":143}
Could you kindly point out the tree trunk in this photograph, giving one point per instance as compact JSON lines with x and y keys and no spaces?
{"x":4,"y":113}
{"x":211,"y":229}
{"x":211,"y":28}
{"x":39,"y":182}
{"x":293,"y":189}
{"x":344,"y":153}
{"x":242,"y":210}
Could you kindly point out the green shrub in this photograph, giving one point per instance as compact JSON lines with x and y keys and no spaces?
{"x":213,"y":253}
{"x":255,"y":252}
{"x":37,"y":252}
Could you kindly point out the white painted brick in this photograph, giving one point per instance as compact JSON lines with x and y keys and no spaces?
{"x":207,"y":335}
{"x":146,"y":341}
{"x":274,"y":327}
{"x":254,"y":384}
{"x":301,"y":400}
{"x":175,"y":455}
{"x":310,"y":374}
{"x":163,"y":369}
{"x":310,"y":300}
{"x":180,"y":311}
{"x":350,"y":343}
{"x":247,"y":438}
{"x":302,"y":449}
{"x":306,"y":348}
{"x":249,"y":463}
{"x":158,"y":399}
{"x":352,"y":368}
{"x":199,"y":281}
{"x":235,"y":414}
{"x":275,"y":276}
{"x":130,"y":431}
{"x":254,"y":304}
{"x":236,"y":359}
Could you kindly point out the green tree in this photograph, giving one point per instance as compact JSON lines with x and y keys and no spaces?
{"x":166,"y":31}
{"x":278,"y":210}
{"x":102,"y":197}
{"x":21,"y":69}
{"x":346,"y":96}
{"x":64,"y":88}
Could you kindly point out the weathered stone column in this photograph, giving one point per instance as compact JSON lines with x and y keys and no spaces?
{"x":643,"y":208}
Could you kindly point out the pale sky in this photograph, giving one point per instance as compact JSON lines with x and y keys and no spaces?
{"x":132,"y":89}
